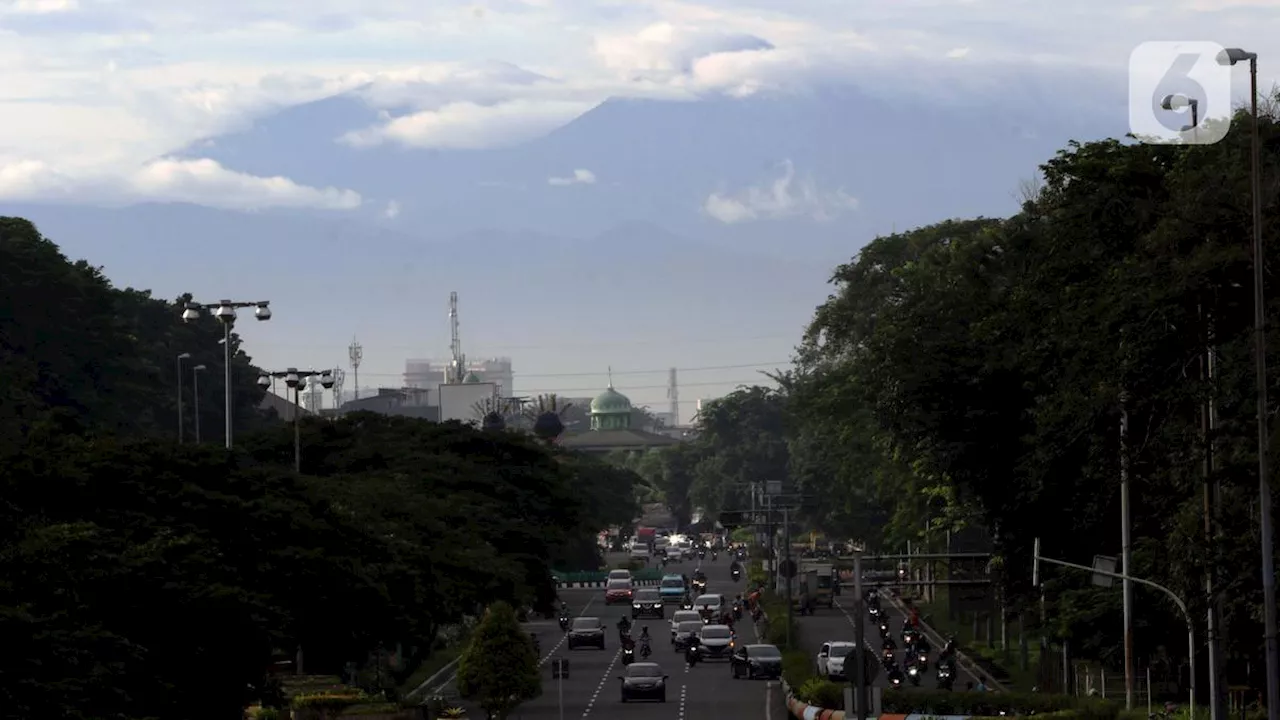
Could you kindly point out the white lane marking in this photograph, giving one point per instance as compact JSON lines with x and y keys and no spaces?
{"x":603,"y":679}
{"x":565,"y":635}
{"x":854,"y":624}
{"x":768,"y":701}
{"x":684,"y":689}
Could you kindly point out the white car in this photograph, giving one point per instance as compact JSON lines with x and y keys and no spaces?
{"x":683,"y":616}
{"x":674,"y":555}
{"x":831,"y":659}
{"x":640,"y":552}
{"x":621,"y":574}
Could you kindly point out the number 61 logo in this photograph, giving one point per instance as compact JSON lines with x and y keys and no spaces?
{"x":1179,"y":93}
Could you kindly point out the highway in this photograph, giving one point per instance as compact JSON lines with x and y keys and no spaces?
{"x":837,"y":624}
{"x":704,"y":692}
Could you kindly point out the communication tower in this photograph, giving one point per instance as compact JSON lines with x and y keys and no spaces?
{"x":673,"y":394}
{"x":338,"y":376}
{"x":355,"y":354}
{"x":458,"y":367}
{"x":314,"y":397}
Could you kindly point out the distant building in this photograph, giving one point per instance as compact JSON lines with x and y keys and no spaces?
{"x":431,"y":374}
{"x":611,"y":428}
{"x":406,"y":402}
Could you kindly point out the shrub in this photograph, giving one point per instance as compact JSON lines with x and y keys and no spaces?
{"x":985,"y":704}
{"x":797,"y":668}
{"x":328,"y":701}
{"x":822,"y":692}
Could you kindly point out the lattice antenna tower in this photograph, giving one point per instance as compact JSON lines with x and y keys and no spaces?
{"x":459,"y":366}
{"x":355,"y":353}
{"x":338,"y":376}
{"x":673,"y":394}
{"x":314,"y":397}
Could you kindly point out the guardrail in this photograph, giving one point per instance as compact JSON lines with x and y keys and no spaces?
{"x":600,"y":576}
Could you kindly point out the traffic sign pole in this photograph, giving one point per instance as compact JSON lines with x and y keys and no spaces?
{"x":859,"y":638}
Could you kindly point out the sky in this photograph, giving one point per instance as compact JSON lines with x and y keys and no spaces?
{"x":99,"y":95}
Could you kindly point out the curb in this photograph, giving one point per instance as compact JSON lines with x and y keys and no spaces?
{"x":601,"y":584}
{"x":967,"y":664}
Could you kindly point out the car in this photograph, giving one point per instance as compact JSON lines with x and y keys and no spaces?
{"x":644,"y":681}
{"x":756,"y":661}
{"x":683,"y":616}
{"x":831,"y":657}
{"x":647,"y":603}
{"x":586,"y":632}
{"x":709,"y":605}
{"x":618,"y":591}
{"x":621,"y":574}
{"x":675,"y":555}
{"x":715,"y":642}
{"x":672,"y":588}
{"x":685,"y":630}
{"x":640,"y":552}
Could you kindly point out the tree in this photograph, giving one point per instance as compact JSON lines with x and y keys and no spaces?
{"x":547,"y":423}
{"x":499,"y":668}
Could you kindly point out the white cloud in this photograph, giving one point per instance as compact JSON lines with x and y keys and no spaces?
{"x":98,"y":88}
{"x":785,"y":197}
{"x":203,"y":182}
{"x":467,"y":125}
{"x":391,"y":211}
{"x":579,"y":177}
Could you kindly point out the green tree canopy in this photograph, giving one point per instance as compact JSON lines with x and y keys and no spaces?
{"x":499,"y":668}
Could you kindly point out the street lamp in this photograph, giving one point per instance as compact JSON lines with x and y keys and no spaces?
{"x":195,"y":389}
{"x":1232,"y":56}
{"x":225,"y":312}
{"x":1180,"y":102}
{"x":181,"y":357}
{"x":295,"y":381}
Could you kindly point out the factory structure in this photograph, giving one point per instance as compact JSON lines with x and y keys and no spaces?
{"x":455,"y":388}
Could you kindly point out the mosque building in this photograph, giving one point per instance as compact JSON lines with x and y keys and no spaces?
{"x":611,"y":428}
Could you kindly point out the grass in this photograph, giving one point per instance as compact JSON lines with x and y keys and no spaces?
{"x":1003,"y":663}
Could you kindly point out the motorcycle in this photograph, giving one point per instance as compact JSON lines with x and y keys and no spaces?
{"x":645,"y":651}
{"x":895,"y":678}
{"x":628,"y":656}
{"x":713,"y":556}
{"x":564,"y":623}
{"x":537,"y":647}
{"x":922,"y":659}
{"x":913,"y":674}
{"x":736,"y":574}
{"x":884,"y":629}
{"x":737,"y":611}
{"x":874,"y":612}
{"x":946,"y":677}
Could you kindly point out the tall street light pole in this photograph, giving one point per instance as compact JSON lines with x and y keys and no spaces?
{"x":181,"y":357}
{"x":1233,"y":56}
{"x":296,"y":381}
{"x":195,"y":392}
{"x":225,"y":312}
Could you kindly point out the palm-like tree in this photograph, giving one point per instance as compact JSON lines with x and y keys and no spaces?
{"x":491,"y":412}
{"x":545,"y":412}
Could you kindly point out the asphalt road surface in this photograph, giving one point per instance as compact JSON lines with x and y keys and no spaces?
{"x":704,"y":692}
{"x":838,"y":623}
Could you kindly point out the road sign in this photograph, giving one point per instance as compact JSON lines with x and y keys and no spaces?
{"x":787,"y":568}
{"x":560,"y":668}
{"x":1107,"y":564}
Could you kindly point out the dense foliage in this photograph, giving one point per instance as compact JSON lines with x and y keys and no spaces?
{"x":499,"y":669}
{"x":973,"y":374}
{"x":141,"y":578}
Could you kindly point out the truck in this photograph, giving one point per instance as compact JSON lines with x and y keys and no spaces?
{"x":804,"y":591}
{"x":828,"y":586}
{"x":645,"y":536}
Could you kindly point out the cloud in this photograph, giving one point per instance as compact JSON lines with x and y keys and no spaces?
{"x":785,"y":197}
{"x":579,"y":177}
{"x":37,"y":7}
{"x":391,"y":211}
{"x":203,"y":182}
{"x":469,"y":126}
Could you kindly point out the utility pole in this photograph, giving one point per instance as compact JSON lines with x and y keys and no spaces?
{"x":355,"y":353}
{"x":1212,"y":491}
{"x":860,"y":641}
{"x":1126,"y":550}
{"x":786,"y":538}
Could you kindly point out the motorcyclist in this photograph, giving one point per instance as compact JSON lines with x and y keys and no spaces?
{"x":894,"y":674}
{"x":735,"y":567}
{"x":686,"y":602}
{"x":949,"y":648}
{"x":624,"y":626}
{"x":888,"y":644}
{"x":691,"y":651}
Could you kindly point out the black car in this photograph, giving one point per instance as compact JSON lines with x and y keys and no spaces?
{"x":643,"y":681}
{"x":647,"y":603}
{"x":756,"y":661}
{"x":586,"y":632}
{"x":684,"y":631}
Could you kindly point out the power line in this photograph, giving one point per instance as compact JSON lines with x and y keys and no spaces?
{"x":706,"y":368}
{"x":489,"y":350}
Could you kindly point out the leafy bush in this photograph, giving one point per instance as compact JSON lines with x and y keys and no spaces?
{"x":985,"y":704}
{"x":329,"y":701}
{"x":756,"y":575}
{"x":776,"y":610}
{"x":822,"y":692}
{"x":797,"y":668}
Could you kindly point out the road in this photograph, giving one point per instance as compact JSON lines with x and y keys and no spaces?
{"x":837,"y":624}
{"x":704,"y":692}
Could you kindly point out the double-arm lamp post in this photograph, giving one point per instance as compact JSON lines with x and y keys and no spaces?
{"x":225,"y":312}
{"x":296,"y":380}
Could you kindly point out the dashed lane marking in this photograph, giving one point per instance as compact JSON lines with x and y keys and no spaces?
{"x":684,"y":695}
{"x":603,"y":680}
{"x":565,"y":635}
